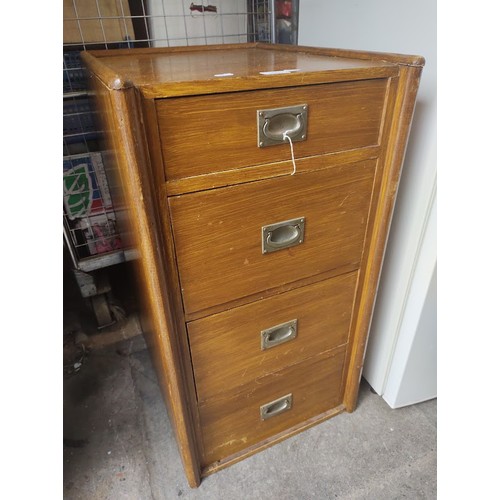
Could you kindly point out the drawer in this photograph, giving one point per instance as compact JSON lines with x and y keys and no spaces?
{"x":207,"y":134}
{"x":268,"y":335}
{"x":232,"y":423}
{"x":218,"y":233}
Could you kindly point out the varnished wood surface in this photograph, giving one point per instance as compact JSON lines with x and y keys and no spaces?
{"x":161,"y":72}
{"x":218,"y":233}
{"x":208,"y":134}
{"x":123,"y":122}
{"x":270,"y":441}
{"x":398,"y":126}
{"x":351,"y":192}
{"x":267,"y":171}
{"x":233,"y":423}
{"x":270,"y":292}
{"x":170,"y":274}
{"x":364,"y":55}
{"x":236,"y":334}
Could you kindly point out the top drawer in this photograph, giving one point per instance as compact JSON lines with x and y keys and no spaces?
{"x":205,"y":134}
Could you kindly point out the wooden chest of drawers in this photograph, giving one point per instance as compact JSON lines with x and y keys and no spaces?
{"x":260,"y":182}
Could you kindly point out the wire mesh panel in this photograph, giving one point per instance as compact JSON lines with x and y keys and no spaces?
{"x":91,"y":217}
{"x":117,"y":23}
{"x":260,"y":21}
{"x":181,"y":23}
{"x":89,"y":214}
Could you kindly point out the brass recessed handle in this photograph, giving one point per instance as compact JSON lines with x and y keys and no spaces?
{"x":277,"y":126}
{"x":278,"y":334}
{"x":281,"y":235}
{"x":273,"y":124}
{"x":276,"y":407}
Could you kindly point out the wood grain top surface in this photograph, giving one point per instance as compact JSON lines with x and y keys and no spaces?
{"x":158,"y":72}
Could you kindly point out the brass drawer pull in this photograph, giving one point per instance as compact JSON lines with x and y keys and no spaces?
{"x":281,"y":235}
{"x":273,"y":124}
{"x":276,"y":407}
{"x":287,"y":123}
{"x":278,"y":334}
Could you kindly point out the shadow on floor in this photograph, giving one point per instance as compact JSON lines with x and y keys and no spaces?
{"x":118,"y":444}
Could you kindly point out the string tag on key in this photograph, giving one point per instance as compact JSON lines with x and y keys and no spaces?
{"x":287,"y":137}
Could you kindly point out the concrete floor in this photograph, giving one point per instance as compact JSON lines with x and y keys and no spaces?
{"x":118,"y":443}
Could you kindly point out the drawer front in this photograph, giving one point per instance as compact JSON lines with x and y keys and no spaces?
{"x":268,"y":335}
{"x":233,"y":423}
{"x":206,"y":134}
{"x":218,"y":233}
